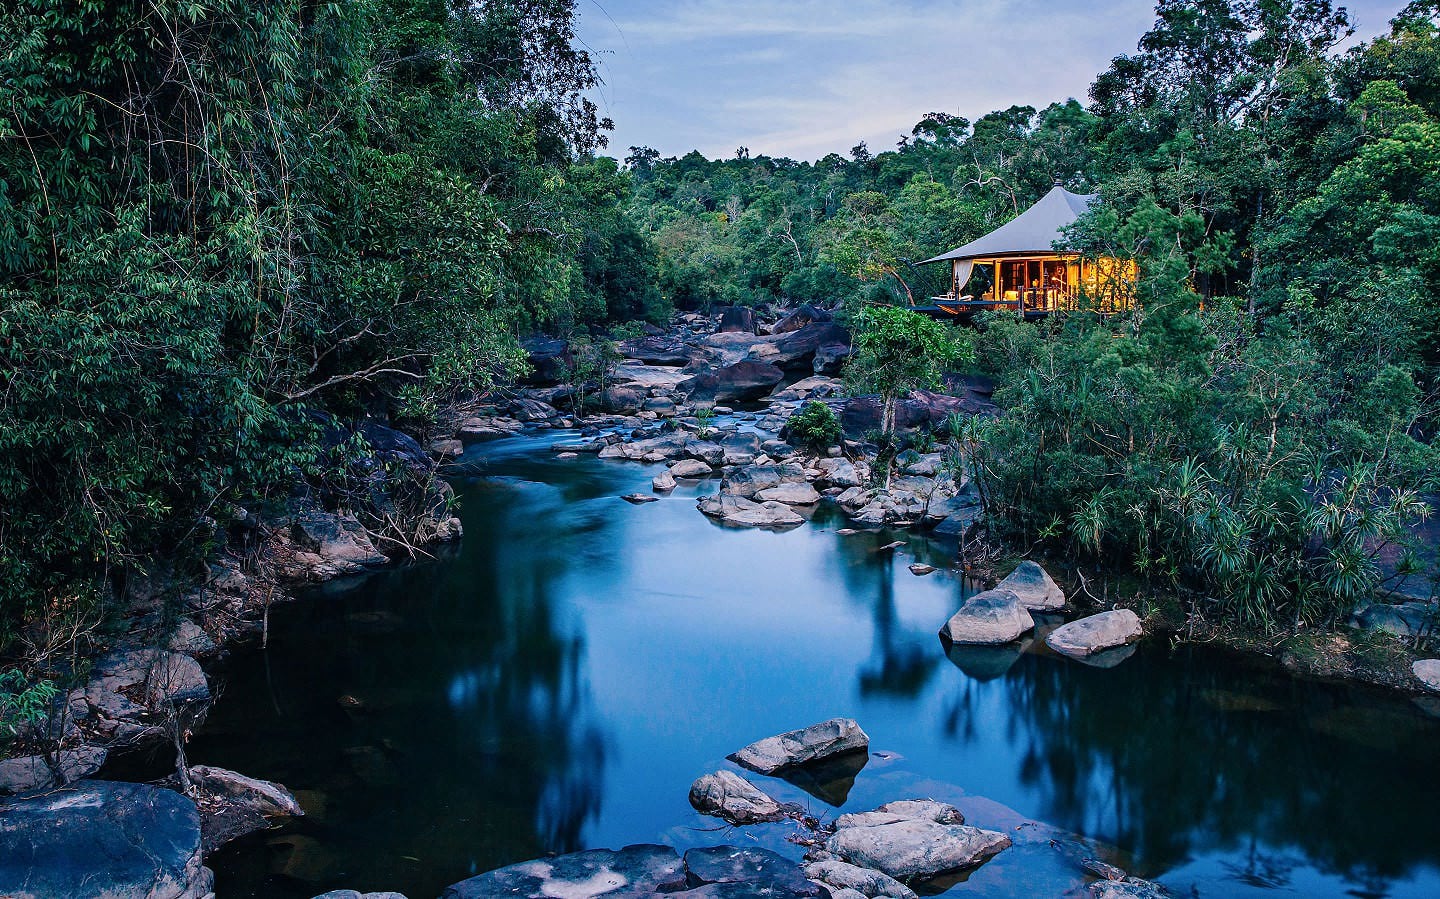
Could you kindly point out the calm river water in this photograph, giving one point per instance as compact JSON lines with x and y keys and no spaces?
{"x":557,"y":681}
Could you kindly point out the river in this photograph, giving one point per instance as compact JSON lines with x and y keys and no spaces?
{"x":557,"y":680}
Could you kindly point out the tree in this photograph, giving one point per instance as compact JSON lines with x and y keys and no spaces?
{"x":897,"y":351}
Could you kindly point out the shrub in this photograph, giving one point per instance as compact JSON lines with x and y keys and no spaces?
{"x":815,"y":426}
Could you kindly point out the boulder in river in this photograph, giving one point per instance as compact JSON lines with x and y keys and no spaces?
{"x":746,"y":513}
{"x":992,"y":617}
{"x":102,"y":838}
{"x":356,"y":894}
{"x":663,"y":482}
{"x":659,"y":350}
{"x":1087,"y":636}
{"x":1129,"y":888}
{"x":912,"y":847}
{"x":800,"y":747}
{"x":737,"y":319}
{"x":751,"y":479}
{"x":867,"y":882}
{"x":797,"y":351}
{"x":690,"y":469}
{"x":1034,"y":587}
{"x":1428,"y":672}
{"x":790,"y":494}
{"x":727,"y":795}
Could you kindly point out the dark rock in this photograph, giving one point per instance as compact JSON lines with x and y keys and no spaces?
{"x":803,"y":315}
{"x":919,"y":409}
{"x":639,"y":499}
{"x":390,"y":445}
{"x":621,"y":400}
{"x":630,"y":872}
{"x":101,"y":838}
{"x":757,"y":867}
{"x":549,"y":359}
{"x":796,"y":351}
{"x":660,"y":350}
{"x":799,"y":747}
{"x":741,"y":382}
{"x":737,"y":319}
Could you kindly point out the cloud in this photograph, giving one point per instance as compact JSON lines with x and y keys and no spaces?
{"x":802,"y":78}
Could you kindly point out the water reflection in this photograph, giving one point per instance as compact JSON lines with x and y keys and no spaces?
{"x":561,"y":678}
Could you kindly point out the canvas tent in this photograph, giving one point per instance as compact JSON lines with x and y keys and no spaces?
{"x":1025,"y":271}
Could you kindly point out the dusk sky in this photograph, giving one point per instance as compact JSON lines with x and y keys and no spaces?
{"x":803,"y":78}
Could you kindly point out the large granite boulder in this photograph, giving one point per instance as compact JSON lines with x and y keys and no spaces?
{"x":727,"y":795}
{"x":799,"y":747}
{"x":799,"y":317}
{"x":744,"y":381}
{"x":629,"y":872}
{"x":914,"y":847}
{"x":103,"y":839}
{"x":549,"y":359}
{"x":790,"y":495}
{"x":992,"y":617}
{"x":1034,"y":587}
{"x":340,"y":541}
{"x":691,"y":469}
{"x":1096,"y":633}
{"x":919,"y":409}
{"x":750,"y":480}
{"x":797,"y":350}
{"x":746,"y":513}
{"x":660,"y":350}
{"x":737,"y":319}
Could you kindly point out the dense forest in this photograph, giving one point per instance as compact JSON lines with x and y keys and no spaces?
{"x":223,"y":221}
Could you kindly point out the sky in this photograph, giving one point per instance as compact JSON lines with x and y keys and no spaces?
{"x":803,"y":78}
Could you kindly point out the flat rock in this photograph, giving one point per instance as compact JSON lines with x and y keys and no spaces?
{"x":920,"y":569}
{"x":629,"y":872}
{"x":104,"y":839}
{"x":1086,"y":636}
{"x":992,"y":617}
{"x":753,"y":866}
{"x":790,"y":495}
{"x":639,"y":499}
{"x":1428,"y":671}
{"x":915,"y":848}
{"x":266,"y":797}
{"x":727,"y":795}
{"x":1129,"y":888}
{"x":1033,"y":585}
{"x":800,"y":747}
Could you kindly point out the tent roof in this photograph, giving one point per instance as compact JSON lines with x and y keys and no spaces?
{"x":1033,"y":231}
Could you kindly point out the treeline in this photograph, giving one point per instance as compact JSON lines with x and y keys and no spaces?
{"x":1261,"y":426}
{"x":223,"y":220}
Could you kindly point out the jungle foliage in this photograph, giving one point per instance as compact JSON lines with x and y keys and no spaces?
{"x":219,"y":217}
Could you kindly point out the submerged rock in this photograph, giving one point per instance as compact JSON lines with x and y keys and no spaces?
{"x":727,"y":795}
{"x":799,"y":747}
{"x":1106,"y":630}
{"x":1033,"y":585}
{"x":768,"y":873}
{"x":102,"y":838}
{"x":632,"y":871}
{"x":992,"y":617}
